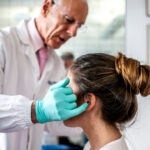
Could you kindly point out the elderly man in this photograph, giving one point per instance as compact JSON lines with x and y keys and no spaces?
{"x":28,"y":66}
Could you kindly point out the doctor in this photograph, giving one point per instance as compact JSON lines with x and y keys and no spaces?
{"x":28,"y":66}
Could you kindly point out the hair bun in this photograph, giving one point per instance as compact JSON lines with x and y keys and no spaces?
{"x":135,"y":75}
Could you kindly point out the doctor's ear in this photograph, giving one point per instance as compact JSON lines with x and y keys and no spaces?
{"x":47,"y":4}
{"x":90,"y":98}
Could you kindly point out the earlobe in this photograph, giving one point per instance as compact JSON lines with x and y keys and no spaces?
{"x":90,"y":98}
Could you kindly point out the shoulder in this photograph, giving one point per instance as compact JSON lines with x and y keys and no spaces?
{"x":118,"y":144}
{"x":7,"y":32}
{"x":8,"y":37}
{"x":14,"y":34}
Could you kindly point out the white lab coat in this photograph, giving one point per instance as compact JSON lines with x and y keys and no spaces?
{"x":20,"y":85}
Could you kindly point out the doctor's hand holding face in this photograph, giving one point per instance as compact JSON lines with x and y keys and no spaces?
{"x":58,"y":104}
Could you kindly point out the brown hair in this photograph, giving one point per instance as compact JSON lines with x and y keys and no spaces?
{"x":115,"y":81}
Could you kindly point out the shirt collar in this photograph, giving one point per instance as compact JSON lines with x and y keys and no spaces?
{"x":35,"y":38}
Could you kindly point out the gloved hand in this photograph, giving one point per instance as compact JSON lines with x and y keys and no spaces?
{"x":58,"y":104}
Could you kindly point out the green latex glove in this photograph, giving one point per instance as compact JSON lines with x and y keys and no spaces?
{"x":58,"y":104}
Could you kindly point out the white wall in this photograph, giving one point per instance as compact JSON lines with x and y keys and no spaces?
{"x":136,"y":27}
{"x":138,"y":135}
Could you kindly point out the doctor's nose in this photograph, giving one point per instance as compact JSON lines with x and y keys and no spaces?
{"x":72,"y":30}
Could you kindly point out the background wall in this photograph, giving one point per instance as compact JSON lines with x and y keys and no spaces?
{"x":136,"y":29}
{"x":138,"y":134}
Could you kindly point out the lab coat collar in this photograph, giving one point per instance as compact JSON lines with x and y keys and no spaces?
{"x":23,"y":35}
{"x":34,"y":35}
{"x":25,"y":39}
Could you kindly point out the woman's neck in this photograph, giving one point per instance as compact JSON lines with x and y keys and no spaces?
{"x":99,"y":133}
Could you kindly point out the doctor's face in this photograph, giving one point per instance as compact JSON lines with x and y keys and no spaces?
{"x":62,"y":18}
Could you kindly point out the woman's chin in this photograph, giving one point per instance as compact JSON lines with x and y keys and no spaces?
{"x":70,"y":123}
{"x":74,"y":121}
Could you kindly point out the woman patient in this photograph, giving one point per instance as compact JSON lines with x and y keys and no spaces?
{"x":109,"y":85}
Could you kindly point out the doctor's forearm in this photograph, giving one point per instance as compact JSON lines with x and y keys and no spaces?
{"x":33,"y":113}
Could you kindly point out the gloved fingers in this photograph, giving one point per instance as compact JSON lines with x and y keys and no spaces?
{"x":67,"y":90}
{"x":62,"y":83}
{"x":78,"y":110}
{"x":71,"y":98}
{"x":70,"y":106}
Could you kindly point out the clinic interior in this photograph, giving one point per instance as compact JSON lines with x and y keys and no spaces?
{"x":106,"y":30}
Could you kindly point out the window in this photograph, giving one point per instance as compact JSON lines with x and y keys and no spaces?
{"x":105,"y":30}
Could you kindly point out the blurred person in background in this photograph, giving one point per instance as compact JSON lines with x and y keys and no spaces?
{"x":28,"y":64}
{"x":109,"y":85}
{"x":68,"y":58}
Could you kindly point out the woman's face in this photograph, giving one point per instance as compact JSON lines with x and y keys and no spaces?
{"x":75,"y":121}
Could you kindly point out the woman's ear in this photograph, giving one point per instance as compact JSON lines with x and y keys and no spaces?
{"x":90,"y":98}
{"x":47,"y":4}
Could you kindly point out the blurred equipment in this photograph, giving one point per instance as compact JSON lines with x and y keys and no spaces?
{"x":60,"y":147}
